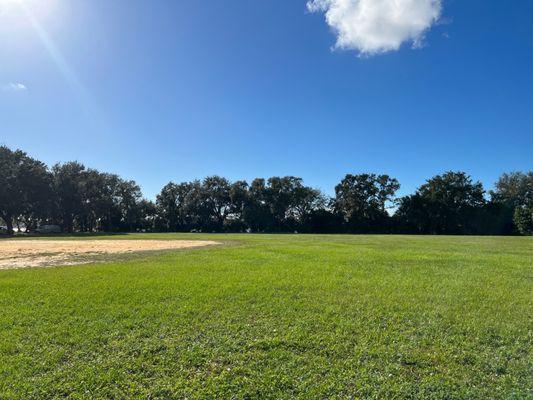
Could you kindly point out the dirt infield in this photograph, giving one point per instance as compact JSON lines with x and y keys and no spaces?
{"x":49,"y":253}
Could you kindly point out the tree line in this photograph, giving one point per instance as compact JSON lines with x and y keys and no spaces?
{"x":81,"y":199}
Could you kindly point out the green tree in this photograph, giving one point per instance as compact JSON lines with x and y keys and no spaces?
{"x":281,"y":194}
{"x":523,"y":219}
{"x":68,"y":185}
{"x":239,"y":200}
{"x":215,"y":201}
{"x":257,"y":214}
{"x":130,"y":204}
{"x":512,"y":192}
{"x":25,"y":187}
{"x":514,"y":188}
{"x":446,"y":204}
{"x":172,"y":206}
{"x":362,"y":201}
{"x":148,"y":215}
{"x":280,"y":204}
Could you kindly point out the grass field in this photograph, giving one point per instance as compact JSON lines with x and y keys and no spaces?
{"x":276,"y":316}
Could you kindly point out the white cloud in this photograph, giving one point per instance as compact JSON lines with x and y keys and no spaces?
{"x":15,"y":87}
{"x":378,"y":26}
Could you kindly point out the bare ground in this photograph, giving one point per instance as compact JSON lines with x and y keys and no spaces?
{"x":49,"y":253}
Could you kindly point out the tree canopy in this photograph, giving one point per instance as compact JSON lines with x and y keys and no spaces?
{"x":81,"y":199}
{"x":445,"y":204}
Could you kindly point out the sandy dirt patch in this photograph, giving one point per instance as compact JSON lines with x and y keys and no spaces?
{"x":49,"y":253}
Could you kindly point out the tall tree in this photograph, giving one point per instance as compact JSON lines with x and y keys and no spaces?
{"x":445,"y":204}
{"x":172,"y":208}
{"x":215,"y":198}
{"x":305,"y":201}
{"x":24,"y":187}
{"x":240,"y":200}
{"x":69,"y":186}
{"x":511,"y":198}
{"x":523,"y":219}
{"x":362,"y":200}
{"x":147,"y":214}
{"x":515,"y":189}
{"x":130,"y":204}
{"x":281,"y":195}
{"x":37,"y":201}
{"x":257,"y":214}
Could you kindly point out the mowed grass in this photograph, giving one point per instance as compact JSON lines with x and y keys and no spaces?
{"x":277,"y":316}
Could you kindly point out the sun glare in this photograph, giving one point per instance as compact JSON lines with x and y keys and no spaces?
{"x":7,"y":5}
{"x":16,"y":9}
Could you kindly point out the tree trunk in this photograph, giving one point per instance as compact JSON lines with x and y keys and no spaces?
{"x":9,"y":224}
{"x":68,"y":223}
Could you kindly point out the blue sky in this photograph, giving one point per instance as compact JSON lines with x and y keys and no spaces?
{"x":176,"y":90}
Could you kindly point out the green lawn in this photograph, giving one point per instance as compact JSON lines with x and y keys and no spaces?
{"x":277,"y":316}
